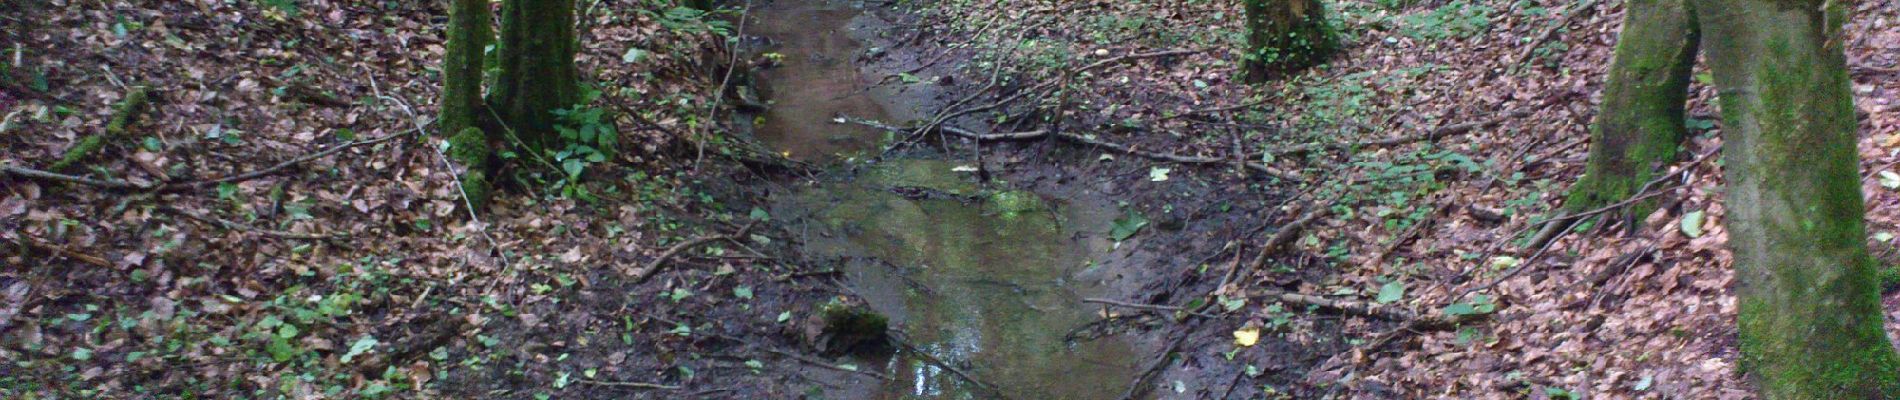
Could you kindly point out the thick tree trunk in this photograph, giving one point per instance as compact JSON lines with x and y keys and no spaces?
{"x":1284,"y":36}
{"x":1641,"y":122}
{"x":1810,"y":314}
{"x":538,"y":74}
{"x":468,"y":34}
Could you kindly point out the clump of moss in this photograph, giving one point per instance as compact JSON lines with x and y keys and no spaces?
{"x":1010,"y":203}
{"x":1889,"y":279}
{"x":470,"y":149}
{"x":123,"y":116}
{"x":854,"y":329}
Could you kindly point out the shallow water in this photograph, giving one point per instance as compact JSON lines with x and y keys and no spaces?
{"x":987,"y":279}
{"x":817,"y":80}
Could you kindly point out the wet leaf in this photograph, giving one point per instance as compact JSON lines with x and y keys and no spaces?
{"x":1247,"y":337}
{"x":1127,"y":226}
{"x":1158,"y":174}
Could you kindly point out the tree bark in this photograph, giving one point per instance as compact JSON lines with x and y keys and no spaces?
{"x":538,"y":74}
{"x":1640,"y":124}
{"x":1285,"y":36}
{"x":468,"y":35}
{"x":1810,"y":314}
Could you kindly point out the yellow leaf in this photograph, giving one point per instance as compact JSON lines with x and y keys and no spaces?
{"x":1247,"y":337}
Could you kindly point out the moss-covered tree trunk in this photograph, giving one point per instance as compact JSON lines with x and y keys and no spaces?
{"x":1641,"y":120}
{"x":468,"y":34}
{"x":1810,"y":315}
{"x":1285,"y":36}
{"x":462,"y":108}
{"x":538,"y":74}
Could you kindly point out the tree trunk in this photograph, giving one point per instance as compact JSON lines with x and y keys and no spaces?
{"x":1641,"y":122}
{"x":468,"y":35}
{"x":1284,"y":36}
{"x":538,"y":74}
{"x":1810,"y":313}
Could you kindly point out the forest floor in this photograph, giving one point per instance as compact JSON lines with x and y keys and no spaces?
{"x":1489,"y":104}
{"x":362,"y":272}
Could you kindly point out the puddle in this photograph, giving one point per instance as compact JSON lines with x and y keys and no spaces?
{"x":817,"y":80}
{"x":987,"y":279}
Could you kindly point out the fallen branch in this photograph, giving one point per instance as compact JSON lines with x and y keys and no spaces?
{"x":124,"y":115}
{"x":1150,"y":307}
{"x":1580,"y":9}
{"x":1284,"y":236}
{"x":1351,"y":307}
{"x":34,"y":174}
{"x":1079,"y":139}
{"x":653,"y":267}
{"x":933,"y":360}
{"x":68,"y":253}
{"x":630,"y":385}
{"x":817,"y":363}
{"x":1432,"y":135}
{"x":233,"y":225}
{"x":1140,"y":386}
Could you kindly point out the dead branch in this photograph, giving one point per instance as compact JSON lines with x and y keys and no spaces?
{"x":234,"y":225}
{"x":654,"y":266}
{"x":630,"y":385}
{"x":1084,"y":140}
{"x":65,"y":252}
{"x":1432,"y":135}
{"x":933,"y":360}
{"x":1581,"y":9}
{"x":1284,"y":236}
{"x":1150,"y":307}
{"x":34,"y":174}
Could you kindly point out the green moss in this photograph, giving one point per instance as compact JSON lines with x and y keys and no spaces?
{"x":1011,"y":203}
{"x":468,"y":35}
{"x":475,"y":185}
{"x":1811,"y":324}
{"x":538,"y":74}
{"x":124,"y":115}
{"x":86,"y":146}
{"x":470,"y":150}
{"x":1640,"y":127}
{"x":853,"y":328}
{"x":931,"y":174}
{"x":1286,"y":36}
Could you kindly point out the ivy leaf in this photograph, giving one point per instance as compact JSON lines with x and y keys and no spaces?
{"x":361,"y":346}
{"x":573,"y":166}
{"x":634,"y":55}
{"x":1127,"y":226}
{"x":1692,"y":224}
{"x":1392,"y":291}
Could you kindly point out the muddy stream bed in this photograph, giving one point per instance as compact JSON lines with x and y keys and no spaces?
{"x":986,"y":277}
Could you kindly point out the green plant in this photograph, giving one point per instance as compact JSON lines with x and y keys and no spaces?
{"x":690,"y":21}
{"x":1458,"y":19}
